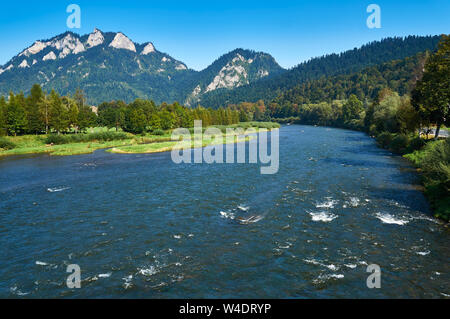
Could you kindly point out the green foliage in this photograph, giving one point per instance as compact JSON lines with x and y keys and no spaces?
{"x":431,"y":96}
{"x":16,"y":121}
{"x":415,"y":143}
{"x":82,"y":138}
{"x":3,"y":122}
{"x":385,"y":139}
{"x":57,"y":139}
{"x":352,"y":108}
{"x":54,"y":113}
{"x":362,"y":72}
{"x":434,"y":162}
{"x":399,"y":143}
{"x":158,"y":132}
{"x":6,"y":144}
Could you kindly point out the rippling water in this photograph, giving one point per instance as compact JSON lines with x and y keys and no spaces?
{"x":141,"y":226}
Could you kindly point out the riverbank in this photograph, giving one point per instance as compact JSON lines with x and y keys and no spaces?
{"x":430,"y":157}
{"x":139,"y":223}
{"x":160,"y":147}
{"x":433,"y":163}
{"x":124,"y":143}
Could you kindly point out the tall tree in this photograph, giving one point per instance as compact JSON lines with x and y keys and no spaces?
{"x":16,"y":121}
{"x":431,"y":96}
{"x":59,"y":119}
{"x":86,"y":118}
{"x":73,"y":113}
{"x":3,"y":105}
{"x":352,"y":109}
{"x":36,"y":123}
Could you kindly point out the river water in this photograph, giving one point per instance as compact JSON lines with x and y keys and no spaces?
{"x":140,"y":226}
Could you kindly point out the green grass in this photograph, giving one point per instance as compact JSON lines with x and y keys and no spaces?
{"x":98,"y":138}
{"x":166,"y":146}
{"x":36,"y":145}
{"x":433,"y":161}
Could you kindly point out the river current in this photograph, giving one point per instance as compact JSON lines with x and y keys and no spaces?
{"x":141,"y":226}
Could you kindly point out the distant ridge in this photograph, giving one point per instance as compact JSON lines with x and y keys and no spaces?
{"x":110,"y":66}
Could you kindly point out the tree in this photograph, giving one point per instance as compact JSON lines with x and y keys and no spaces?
{"x":155,"y":122}
{"x":3,"y":105}
{"x":385,"y":111}
{"x":73,"y":113}
{"x":59,"y":119}
{"x":167,"y":120}
{"x":35,"y":117}
{"x":16,"y":122}
{"x":352,"y":109}
{"x":407,"y":117}
{"x":431,"y":96}
{"x":243,"y":116}
{"x":79,"y":98}
{"x":86,"y":118}
{"x":135,"y":120}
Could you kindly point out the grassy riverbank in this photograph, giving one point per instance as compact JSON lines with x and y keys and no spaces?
{"x":432,"y":159}
{"x":159,"y":147}
{"x":433,"y":162}
{"x":101,"y":138}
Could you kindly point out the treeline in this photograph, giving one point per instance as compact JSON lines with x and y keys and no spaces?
{"x":143,"y":115}
{"x":41,"y":113}
{"x":327,"y":67}
{"x":396,"y":97}
{"x":399,"y":75}
{"x":396,"y":119}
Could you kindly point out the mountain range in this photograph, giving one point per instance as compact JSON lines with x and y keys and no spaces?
{"x":110,"y":66}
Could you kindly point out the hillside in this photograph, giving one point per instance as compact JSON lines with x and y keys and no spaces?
{"x":110,"y":66}
{"x":348,"y":62}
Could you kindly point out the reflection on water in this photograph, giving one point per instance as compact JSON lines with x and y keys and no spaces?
{"x":141,"y":226}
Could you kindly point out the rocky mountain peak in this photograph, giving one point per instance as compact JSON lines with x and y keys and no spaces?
{"x":121,"y":41}
{"x":95,"y":38}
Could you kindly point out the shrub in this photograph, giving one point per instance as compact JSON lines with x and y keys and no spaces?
{"x":399,"y":143}
{"x":83,"y":138}
{"x":56,"y":139}
{"x":436,"y":162}
{"x":416,"y":144}
{"x":158,"y":132}
{"x":104,"y":136}
{"x":6,"y":144}
{"x":385,"y":139}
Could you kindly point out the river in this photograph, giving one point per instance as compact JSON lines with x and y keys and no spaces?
{"x":140,"y":226}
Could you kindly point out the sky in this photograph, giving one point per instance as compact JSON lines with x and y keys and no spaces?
{"x":199,"y":32}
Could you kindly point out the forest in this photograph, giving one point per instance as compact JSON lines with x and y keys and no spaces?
{"x":393,"y":102}
{"x":326,"y":67}
{"x":41,"y":113}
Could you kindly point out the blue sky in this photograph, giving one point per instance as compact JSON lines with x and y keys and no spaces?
{"x":198,"y":32}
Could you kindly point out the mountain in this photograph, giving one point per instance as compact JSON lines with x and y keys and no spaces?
{"x":234,"y":69}
{"x":109,"y":66}
{"x":398,"y":75}
{"x":352,"y":61}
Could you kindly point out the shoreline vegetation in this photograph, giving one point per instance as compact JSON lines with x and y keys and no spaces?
{"x":394,"y":115}
{"x":431,"y":158}
{"x":395,"y":110}
{"x":116,"y":142}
